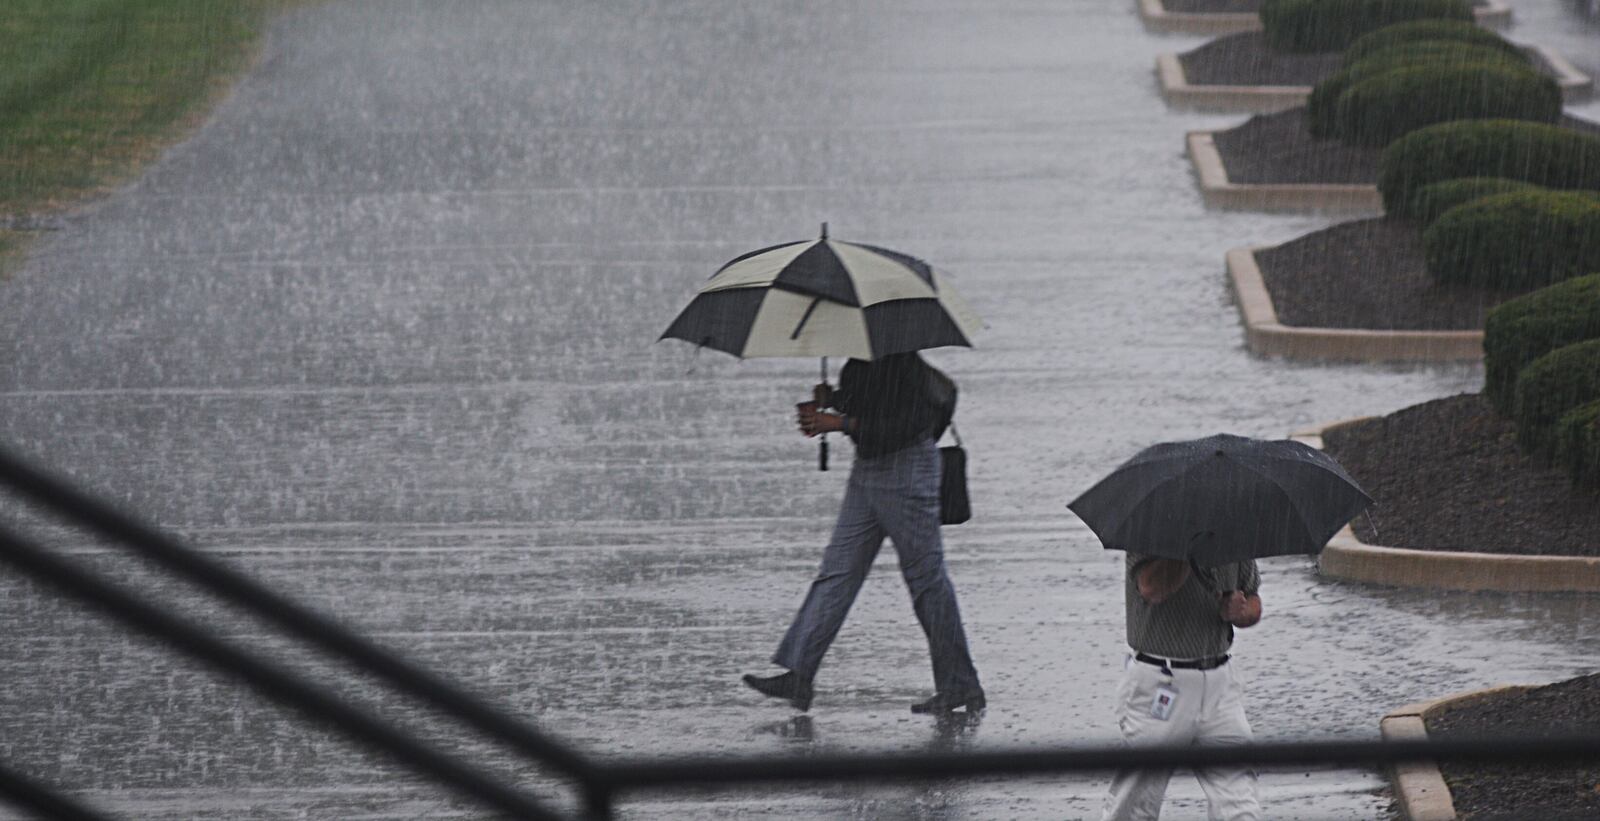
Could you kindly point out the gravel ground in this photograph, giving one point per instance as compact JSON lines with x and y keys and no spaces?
{"x":1483,"y":792}
{"x":1367,"y":274}
{"x":1447,"y":475}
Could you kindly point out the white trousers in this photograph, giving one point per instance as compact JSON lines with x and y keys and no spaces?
{"x":1208,"y":709}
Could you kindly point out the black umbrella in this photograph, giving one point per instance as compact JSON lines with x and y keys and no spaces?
{"x":1222,"y":499}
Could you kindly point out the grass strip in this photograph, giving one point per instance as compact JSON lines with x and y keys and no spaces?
{"x":91,"y":89}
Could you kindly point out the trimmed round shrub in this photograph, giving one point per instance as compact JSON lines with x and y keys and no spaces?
{"x":1577,"y":444}
{"x":1551,"y":387}
{"x":1459,"y":31}
{"x":1450,"y":50}
{"x":1539,"y":153}
{"x":1515,"y":242}
{"x":1378,"y":110}
{"x":1530,"y":326}
{"x":1320,"y":106}
{"x":1331,"y":25}
{"x":1431,"y":201}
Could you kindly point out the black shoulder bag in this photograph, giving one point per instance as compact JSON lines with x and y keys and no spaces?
{"x":955,"y":506}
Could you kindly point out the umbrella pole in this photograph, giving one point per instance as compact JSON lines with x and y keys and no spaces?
{"x":822,"y":444}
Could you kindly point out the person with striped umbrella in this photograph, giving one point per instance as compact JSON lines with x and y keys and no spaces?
{"x":878,"y":308}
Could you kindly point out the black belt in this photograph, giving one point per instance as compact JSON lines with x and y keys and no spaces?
{"x":1197,"y":664}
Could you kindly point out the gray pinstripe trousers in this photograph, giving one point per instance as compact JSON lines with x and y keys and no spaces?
{"x":896,"y":495}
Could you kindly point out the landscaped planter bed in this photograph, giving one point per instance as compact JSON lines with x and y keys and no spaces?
{"x":1448,"y":476}
{"x":1367,"y":274}
{"x":1240,"y":72}
{"x":1506,"y":791}
{"x":1224,"y":16}
{"x":1278,"y":149}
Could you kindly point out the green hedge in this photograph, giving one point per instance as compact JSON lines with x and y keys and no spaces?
{"x":1325,"y":95}
{"x":1433,"y":200}
{"x":1577,"y":444}
{"x":1515,"y":242}
{"x":1400,"y":34}
{"x":1530,"y":326}
{"x":1331,"y":25}
{"x":1539,"y":153}
{"x":1551,"y":387}
{"x":1378,"y":110}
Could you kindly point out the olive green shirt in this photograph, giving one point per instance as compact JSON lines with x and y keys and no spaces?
{"x":1188,"y":624}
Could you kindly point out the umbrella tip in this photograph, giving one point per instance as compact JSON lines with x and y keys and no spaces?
{"x":824,"y":230}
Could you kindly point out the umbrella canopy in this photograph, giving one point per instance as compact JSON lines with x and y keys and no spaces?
{"x":825,"y":297}
{"x":1222,"y":499}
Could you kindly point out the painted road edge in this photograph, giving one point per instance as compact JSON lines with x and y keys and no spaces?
{"x":1220,"y":192}
{"x":1156,"y":18}
{"x":1266,"y":336}
{"x":1419,"y":787}
{"x":1350,"y":559}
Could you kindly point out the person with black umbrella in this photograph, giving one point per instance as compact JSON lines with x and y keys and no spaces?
{"x":1178,"y":686}
{"x":1193,"y":517}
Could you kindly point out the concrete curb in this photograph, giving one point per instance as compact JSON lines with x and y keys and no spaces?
{"x":1419,"y":787}
{"x":1220,"y":192}
{"x":1156,"y":18}
{"x":1350,"y":559}
{"x":1266,"y":336}
{"x":1575,"y":85}
{"x":1178,"y":91}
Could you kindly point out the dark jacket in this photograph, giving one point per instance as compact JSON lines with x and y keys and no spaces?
{"x":888,"y":400}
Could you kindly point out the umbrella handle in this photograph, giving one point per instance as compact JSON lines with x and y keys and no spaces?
{"x":822,"y":444}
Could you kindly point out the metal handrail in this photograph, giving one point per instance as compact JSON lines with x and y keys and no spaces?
{"x":601,"y":785}
{"x":266,"y":677}
{"x":47,"y":802}
{"x":333,"y":637}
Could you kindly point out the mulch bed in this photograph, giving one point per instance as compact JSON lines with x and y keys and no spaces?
{"x":1245,"y":60}
{"x":1368,"y":274}
{"x":1447,"y":475}
{"x":1279,"y":149}
{"x":1498,"y":791}
{"x":1212,"y":6}
{"x":1226,"y":6}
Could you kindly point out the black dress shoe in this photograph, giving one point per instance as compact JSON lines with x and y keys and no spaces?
{"x":942,"y":703}
{"x":792,"y":686}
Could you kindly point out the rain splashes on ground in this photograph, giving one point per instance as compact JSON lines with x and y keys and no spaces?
{"x":381,"y":335}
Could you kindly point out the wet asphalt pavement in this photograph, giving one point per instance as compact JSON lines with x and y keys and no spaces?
{"x":381,"y":334}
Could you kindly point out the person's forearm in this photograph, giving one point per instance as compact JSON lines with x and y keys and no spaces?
{"x":1160,"y":578}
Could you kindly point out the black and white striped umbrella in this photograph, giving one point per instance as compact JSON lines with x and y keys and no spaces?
{"x":824,"y":298}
